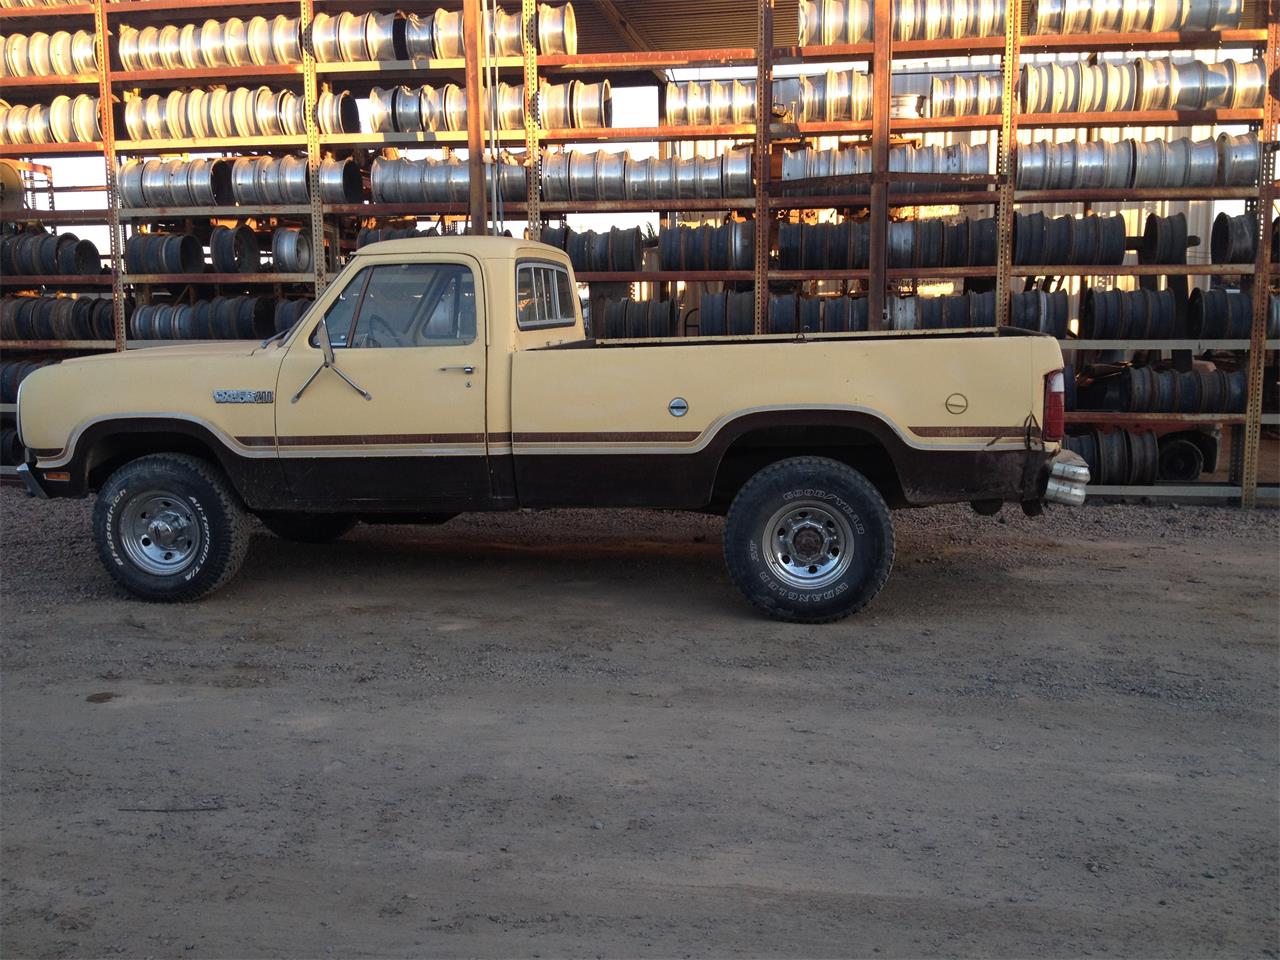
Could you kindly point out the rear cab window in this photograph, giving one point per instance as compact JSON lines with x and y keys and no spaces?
{"x":545,"y":296}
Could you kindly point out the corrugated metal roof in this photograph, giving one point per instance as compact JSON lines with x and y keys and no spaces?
{"x":682,"y":25}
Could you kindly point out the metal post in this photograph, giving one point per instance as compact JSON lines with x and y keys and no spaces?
{"x":306,"y":14}
{"x":1006,"y":148}
{"x":881,"y":87}
{"x":106,"y":122}
{"x":1262,"y":264}
{"x":533,"y":151}
{"x":760,"y":159}
{"x":474,"y":53}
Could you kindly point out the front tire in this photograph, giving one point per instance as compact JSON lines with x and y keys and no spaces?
{"x":170,"y":528}
{"x":809,"y":540}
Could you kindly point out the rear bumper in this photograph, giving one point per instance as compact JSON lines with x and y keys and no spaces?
{"x":32,"y":482}
{"x":1068,"y":476}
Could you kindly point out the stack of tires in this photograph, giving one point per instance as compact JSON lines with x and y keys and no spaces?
{"x":634,"y":319}
{"x":13,"y":372}
{"x":1118,"y":457}
{"x":729,"y":246}
{"x":619,"y":250}
{"x":222,"y":318}
{"x":57,"y":318}
{"x":35,"y":253}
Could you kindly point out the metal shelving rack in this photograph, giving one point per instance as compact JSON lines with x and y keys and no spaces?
{"x":767,"y":202}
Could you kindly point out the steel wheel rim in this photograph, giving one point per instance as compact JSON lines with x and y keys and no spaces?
{"x":159,"y":532}
{"x":807,"y":545}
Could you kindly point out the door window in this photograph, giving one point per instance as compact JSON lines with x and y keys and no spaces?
{"x":405,"y":305}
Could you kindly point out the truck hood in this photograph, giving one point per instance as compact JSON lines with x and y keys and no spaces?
{"x":181,"y":351}
{"x":178,"y":382}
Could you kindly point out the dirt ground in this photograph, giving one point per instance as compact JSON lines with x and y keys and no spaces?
{"x":565,"y":734}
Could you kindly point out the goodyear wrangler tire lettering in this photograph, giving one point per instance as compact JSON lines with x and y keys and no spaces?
{"x":809,"y":540}
{"x":170,"y":528}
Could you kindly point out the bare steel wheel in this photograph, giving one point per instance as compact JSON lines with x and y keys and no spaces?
{"x":159,"y":532}
{"x":807,"y":545}
{"x":809,"y":539}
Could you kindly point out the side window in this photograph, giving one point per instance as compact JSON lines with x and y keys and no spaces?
{"x":339,"y":316}
{"x":544,"y":296}
{"x":405,"y":305}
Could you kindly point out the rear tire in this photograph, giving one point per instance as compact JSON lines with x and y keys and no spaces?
{"x":809,"y":540}
{"x":170,"y":528}
{"x":308,"y":527}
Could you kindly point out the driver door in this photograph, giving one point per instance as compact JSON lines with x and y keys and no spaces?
{"x":409,"y":331}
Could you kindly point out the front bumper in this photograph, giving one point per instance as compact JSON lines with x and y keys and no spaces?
{"x":1067,"y":480}
{"x":32,"y":482}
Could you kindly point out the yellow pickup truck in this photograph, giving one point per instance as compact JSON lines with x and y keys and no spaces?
{"x":436,"y":376}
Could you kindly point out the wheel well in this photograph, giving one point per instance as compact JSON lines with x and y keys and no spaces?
{"x":758,"y":448}
{"x":110,"y":453}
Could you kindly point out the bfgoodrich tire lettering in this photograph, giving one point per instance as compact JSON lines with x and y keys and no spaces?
{"x":197,"y":495}
{"x":809,"y":540}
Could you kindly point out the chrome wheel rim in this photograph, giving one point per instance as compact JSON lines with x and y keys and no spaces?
{"x":807,"y":545}
{"x":160,"y":533}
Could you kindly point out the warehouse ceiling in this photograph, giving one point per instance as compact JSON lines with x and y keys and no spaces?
{"x":605,"y":25}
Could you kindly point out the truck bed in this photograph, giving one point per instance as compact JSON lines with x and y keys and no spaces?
{"x":965,"y":396}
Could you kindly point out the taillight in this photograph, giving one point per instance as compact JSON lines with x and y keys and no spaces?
{"x":1055,"y":419}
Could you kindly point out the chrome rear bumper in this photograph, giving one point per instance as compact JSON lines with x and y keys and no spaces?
{"x":1068,"y":478}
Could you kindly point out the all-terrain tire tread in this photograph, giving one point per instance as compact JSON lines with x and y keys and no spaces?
{"x":737,"y":566}
{"x":237,"y":545}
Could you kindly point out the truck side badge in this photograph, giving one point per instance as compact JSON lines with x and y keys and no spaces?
{"x":243,"y":396}
{"x":678,"y":407}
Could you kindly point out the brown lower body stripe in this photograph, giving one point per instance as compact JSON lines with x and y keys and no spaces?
{"x":428,"y":439}
{"x":639,"y":436}
{"x":365,"y":440}
{"x":983,"y":432}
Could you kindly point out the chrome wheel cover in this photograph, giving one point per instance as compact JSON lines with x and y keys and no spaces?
{"x":807,"y":545}
{"x":159,"y":532}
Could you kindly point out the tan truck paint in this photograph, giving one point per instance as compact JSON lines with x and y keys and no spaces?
{"x":537,"y":395}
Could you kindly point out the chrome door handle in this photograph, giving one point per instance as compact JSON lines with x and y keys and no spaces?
{"x":467,"y":369}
